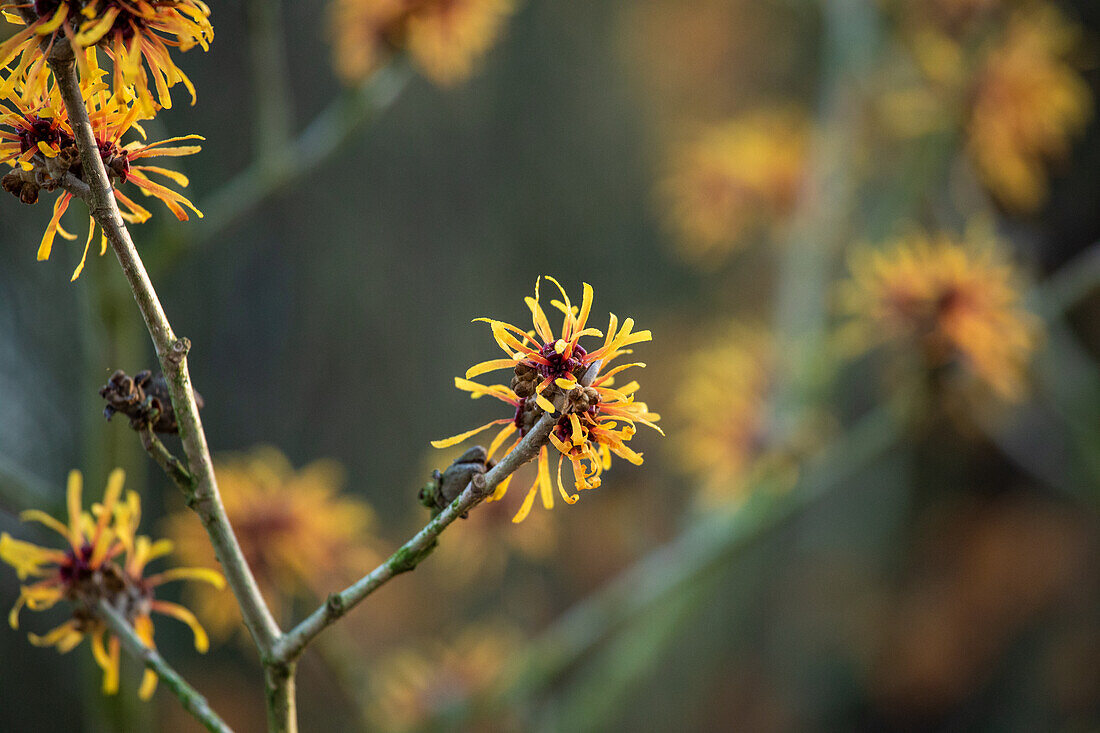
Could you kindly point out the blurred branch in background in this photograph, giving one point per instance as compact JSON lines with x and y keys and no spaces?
{"x":703,"y":546}
{"x":269,"y":81}
{"x":1069,"y":285}
{"x":331,"y":129}
{"x":1062,"y":417}
{"x":19,"y":488}
{"x":821,"y":221}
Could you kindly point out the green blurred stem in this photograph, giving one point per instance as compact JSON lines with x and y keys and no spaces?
{"x":191,"y":700}
{"x":329,"y":131}
{"x":164,"y":458}
{"x":592,"y":701}
{"x":19,"y":488}
{"x":826,"y":201}
{"x":1073,"y":282}
{"x":705,"y":544}
{"x":270,"y":75}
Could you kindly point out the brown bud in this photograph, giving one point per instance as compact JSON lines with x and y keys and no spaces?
{"x":120,"y":167}
{"x":581,"y":398}
{"x":12,"y":183}
{"x":68,"y":156}
{"x":28,"y":194}
{"x":144,"y":399}
{"x":523,"y":387}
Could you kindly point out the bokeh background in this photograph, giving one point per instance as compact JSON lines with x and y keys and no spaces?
{"x":836,"y":533}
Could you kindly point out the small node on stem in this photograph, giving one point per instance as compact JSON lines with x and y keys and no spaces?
{"x":335,"y":605}
{"x":479,"y":484}
{"x":178,"y":352}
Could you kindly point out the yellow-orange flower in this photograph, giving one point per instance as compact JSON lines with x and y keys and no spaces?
{"x":300,"y":536}
{"x":542,"y":358}
{"x":952,"y":302}
{"x":136,"y":35}
{"x":733,"y":179}
{"x":594,"y":421}
{"x":37,"y":140}
{"x":105,"y":560}
{"x":722,"y":406}
{"x":1028,"y":105}
{"x":446,"y":38}
{"x":411,"y":685}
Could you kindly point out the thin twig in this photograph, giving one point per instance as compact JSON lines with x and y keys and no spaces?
{"x":164,"y":458}
{"x":172,"y":353}
{"x":409,"y":555}
{"x":192,"y":701}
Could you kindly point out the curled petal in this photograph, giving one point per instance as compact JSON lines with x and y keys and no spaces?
{"x":205,"y":575}
{"x":569,"y":498}
{"x":62,"y":637}
{"x":202,"y":641}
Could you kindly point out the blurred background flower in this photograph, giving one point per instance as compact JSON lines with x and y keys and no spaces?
{"x":944,"y":305}
{"x":446,"y":38}
{"x":301,"y":538}
{"x":412,"y":684}
{"x":733,"y":180}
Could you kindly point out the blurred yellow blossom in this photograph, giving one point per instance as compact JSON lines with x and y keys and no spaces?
{"x":412,"y":685}
{"x":946,"y":302}
{"x":734,"y":179}
{"x":300,"y":536}
{"x":1028,"y":105}
{"x":446,"y":38}
{"x":722,"y":410}
{"x":105,"y":561}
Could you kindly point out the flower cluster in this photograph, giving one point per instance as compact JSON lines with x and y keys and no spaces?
{"x":135,"y":34}
{"x":414,"y":683}
{"x":955,"y":303}
{"x":555,"y":374}
{"x":299,"y":535}
{"x":446,"y":38}
{"x":104,"y":561}
{"x":1002,"y":74}
{"x":734,"y":179}
{"x":36,"y":136}
{"x":1028,"y":105}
